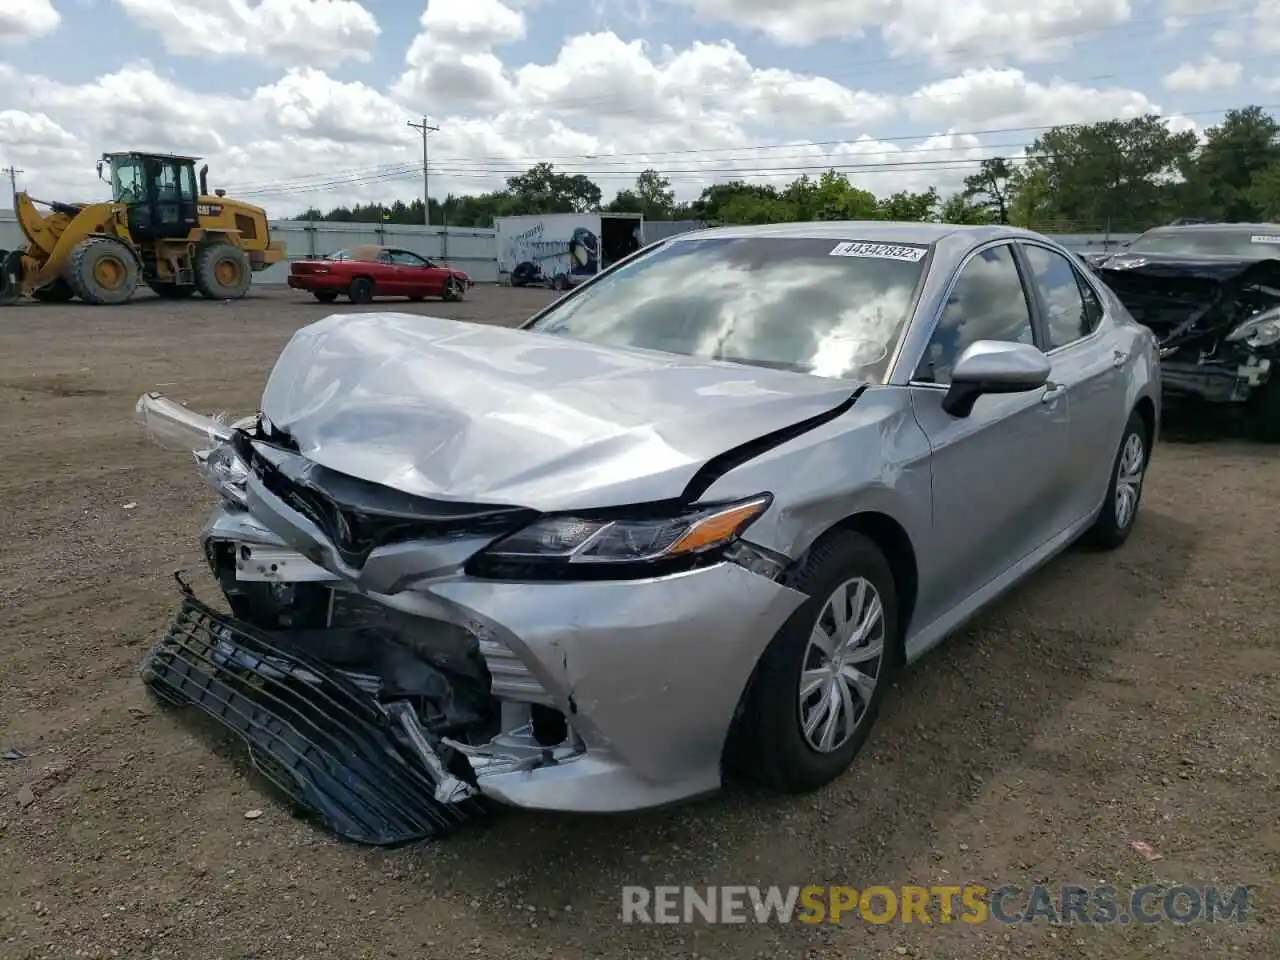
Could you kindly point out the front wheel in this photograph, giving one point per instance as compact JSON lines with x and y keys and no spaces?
{"x":222,"y":271}
{"x":361,"y":290}
{"x":820,"y":683}
{"x":1124,"y":492}
{"x":1265,"y":410}
{"x":452,"y":290}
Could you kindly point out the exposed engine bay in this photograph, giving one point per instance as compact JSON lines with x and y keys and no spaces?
{"x":1217,"y":319}
{"x":380,"y":722}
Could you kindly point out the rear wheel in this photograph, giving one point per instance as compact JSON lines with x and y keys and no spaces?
{"x":819,"y":685}
{"x":102,"y":270}
{"x":57,"y":292}
{"x":222,"y":271}
{"x":325,"y":296}
{"x":1124,"y":493}
{"x":361,"y":290}
{"x":171,"y":291}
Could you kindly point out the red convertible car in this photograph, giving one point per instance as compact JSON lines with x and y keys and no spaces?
{"x":364,"y":272}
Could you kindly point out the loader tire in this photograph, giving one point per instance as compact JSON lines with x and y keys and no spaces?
{"x":57,"y":292}
{"x":222,"y":272}
{"x":103,"y":271}
{"x":10,"y":275}
{"x":170,"y":291}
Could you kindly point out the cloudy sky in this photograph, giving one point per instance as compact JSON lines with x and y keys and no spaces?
{"x":300,"y":102}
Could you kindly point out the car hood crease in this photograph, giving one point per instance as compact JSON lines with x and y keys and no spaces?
{"x":452,"y":410}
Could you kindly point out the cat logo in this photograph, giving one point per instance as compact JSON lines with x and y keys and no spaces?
{"x":209,"y":209}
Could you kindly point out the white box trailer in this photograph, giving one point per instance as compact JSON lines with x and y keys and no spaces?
{"x":563,"y":249}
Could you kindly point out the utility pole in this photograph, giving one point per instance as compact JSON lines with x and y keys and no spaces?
{"x":13,"y":172}
{"x":426,"y":128}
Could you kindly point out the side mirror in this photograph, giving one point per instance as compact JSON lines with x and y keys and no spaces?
{"x":994,"y":366}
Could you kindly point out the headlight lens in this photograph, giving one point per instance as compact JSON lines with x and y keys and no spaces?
{"x":1261,"y":331}
{"x":226,"y":472}
{"x":582,"y":540}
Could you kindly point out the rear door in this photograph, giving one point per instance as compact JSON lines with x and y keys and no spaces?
{"x":997,"y":473}
{"x":1089,"y":365}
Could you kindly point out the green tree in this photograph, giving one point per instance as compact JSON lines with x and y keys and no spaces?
{"x":1096,"y":173}
{"x":540,"y":189}
{"x":904,"y":205}
{"x":989,"y":188}
{"x":1236,"y":152}
{"x":958,"y":208}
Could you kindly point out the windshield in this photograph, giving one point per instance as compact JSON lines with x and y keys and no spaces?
{"x":1242,"y":244}
{"x":128,"y":180}
{"x":830,"y":308}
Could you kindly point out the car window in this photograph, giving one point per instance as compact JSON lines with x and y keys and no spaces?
{"x":1068,"y":316}
{"x":407,"y":259}
{"x":831,"y":308}
{"x":340,"y":255}
{"x":384,"y":256}
{"x":987,"y":302}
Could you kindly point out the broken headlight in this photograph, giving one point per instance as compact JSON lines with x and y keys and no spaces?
{"x":226,"y":472}
{"x":585,"y":542}
{"x":1260,"y":331}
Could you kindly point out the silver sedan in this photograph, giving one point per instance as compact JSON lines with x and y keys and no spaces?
{"x":695,"y":513}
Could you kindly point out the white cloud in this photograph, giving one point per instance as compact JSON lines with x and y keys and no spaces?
{"x":27,"y":20}
{"x":290,"y":32}
{"x":955,"y":31}
{"x":992,"y":97}
{"x":1209,"y":73}
{"x":602,"y":106}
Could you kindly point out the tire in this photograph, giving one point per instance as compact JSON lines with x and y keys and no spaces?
{"x":222,"y":271}
{"x":770,"y":744}
{"x":57,"y":292}
{"x":102,"y":271}
{"x":1265,"y":411}
{"x":1115,"y":521}
{"x":171,"y":291}
{"x":452,"y":291}
{"x":361,"y":290}
{"x":325,"y":296}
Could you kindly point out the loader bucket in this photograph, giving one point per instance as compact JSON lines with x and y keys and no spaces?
{"x":10,"y":275}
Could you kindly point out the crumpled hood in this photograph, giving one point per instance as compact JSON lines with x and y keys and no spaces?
{"x":453,"y":410}
{"x":1177,"y":296}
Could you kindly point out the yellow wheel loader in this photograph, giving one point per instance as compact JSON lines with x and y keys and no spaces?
{"x":161,"y":228}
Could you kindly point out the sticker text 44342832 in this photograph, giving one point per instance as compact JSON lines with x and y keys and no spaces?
{"x":879,"y":251}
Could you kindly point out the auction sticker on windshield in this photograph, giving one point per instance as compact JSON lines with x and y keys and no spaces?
{"x":879,"y":251}
{"x":1264,"y":238}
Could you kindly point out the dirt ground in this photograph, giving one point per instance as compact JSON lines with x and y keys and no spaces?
{"x":1117,"y":698}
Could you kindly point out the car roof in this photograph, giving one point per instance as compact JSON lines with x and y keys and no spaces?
{"x":883,"y":231}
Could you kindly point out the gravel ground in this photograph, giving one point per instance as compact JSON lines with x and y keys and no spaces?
{"x":1111,"y":699}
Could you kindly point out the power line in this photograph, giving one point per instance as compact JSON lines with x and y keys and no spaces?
{"x":13,"y":172}
{"x":404,"y":171}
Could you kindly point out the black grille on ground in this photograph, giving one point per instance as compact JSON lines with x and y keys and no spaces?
{"x":322,"y":740}
{"x":358,"y":516}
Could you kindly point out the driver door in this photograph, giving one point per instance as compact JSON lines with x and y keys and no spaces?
{"x":997,"y":473}
{"x":420,"y":278}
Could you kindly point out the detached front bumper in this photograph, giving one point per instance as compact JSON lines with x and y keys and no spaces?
{"x":647,"y":675}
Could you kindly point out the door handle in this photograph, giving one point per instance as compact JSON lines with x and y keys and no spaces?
{"x":1052,"y":392}
{"x":1118,"y":358}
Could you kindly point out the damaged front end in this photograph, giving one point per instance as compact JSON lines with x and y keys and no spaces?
{"x":1217,"y":320}
{"x":380,"y":721}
